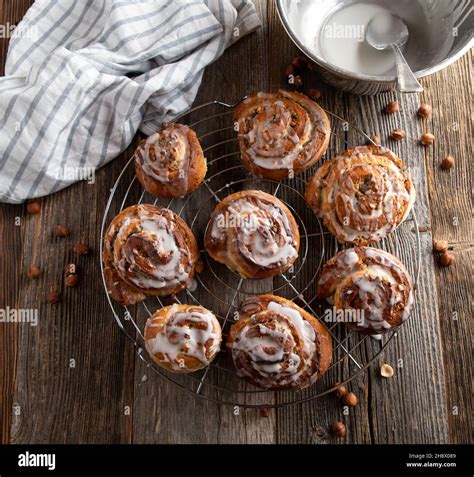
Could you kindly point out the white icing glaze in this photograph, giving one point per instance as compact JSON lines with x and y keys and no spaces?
{"x":270,"y":139}
{"x":267,"y":353}
{"x":178,"y":338}
{"x":159,"y":232}
{"x":257,"y":239}
{"x":372,"y":280}
{"x":170,"y":149}
{"x":391,"y":196}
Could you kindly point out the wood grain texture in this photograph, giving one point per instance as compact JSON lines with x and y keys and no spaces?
{"x":450,"y":194}
{"x":110,"y":396}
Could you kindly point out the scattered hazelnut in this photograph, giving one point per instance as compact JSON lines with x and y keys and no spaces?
{"x":71,"y":280}
{"x":340,"y":391}
{"x":392,"y":107}
{"x":425,"y":110}
{"x":398,"y":134}
{"x":314,"y":94}
{"x":440,"y":246}
{"x":446,"y":259}
{"x":349,"y":400}
{"x":290,"y":70}
{"x":338,"y":429}
{"x":447,"y":162}
{"x":312,"y":66}
{"x":71,"y":269}
{"x":33,"y":272}
{"x":376,"y":139}
{"x":265,"y":412}
{"x":298,"y":81}
{"x":62,"y":231}
{"x":427,"y":139}
{"x":299,"y":62}
{"x":33,"y":207}
{"x":386,"y":371}
{"x":81,"y":248}
{"x":53,"y":297}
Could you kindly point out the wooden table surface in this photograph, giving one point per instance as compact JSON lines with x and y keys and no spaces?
{"x":102,"y":398}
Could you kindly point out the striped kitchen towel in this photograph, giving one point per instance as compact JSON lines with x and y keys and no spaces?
{"x":83,"y":76}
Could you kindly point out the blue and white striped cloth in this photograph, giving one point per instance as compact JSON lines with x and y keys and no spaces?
{"x":83,"y":76}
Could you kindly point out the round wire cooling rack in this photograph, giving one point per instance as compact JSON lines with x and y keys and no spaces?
{"x":221,"y":291}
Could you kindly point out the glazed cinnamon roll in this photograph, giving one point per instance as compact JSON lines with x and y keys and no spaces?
{"x":281,"y":134}
{"x":183,"y":338}
{"x":277,"y":345}
{"x":148,"y":250}
{"x":361,"y":195}
{"x":370,"y":289}
{"x":171,"y":162}
{"x":254,"y":234}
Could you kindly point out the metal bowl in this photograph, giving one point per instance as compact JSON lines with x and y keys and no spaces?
{"x":440,"y":33}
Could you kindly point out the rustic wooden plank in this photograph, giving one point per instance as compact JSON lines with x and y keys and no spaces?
{"x":451,"y":202}
{"x":11,"y":233}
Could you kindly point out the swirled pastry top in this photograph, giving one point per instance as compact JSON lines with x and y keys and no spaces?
{"x":281,"y":131}
{"x":170,"y":163}
{"x":277,"y":345}
{"x":362,"y":195}
{"x":148,"y":250}
{"x":254,"y":233}
{"x":183,"y":338}
{"x":371,"y":280}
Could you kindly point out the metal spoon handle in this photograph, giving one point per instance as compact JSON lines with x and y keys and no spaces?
{"x":407,"y":82}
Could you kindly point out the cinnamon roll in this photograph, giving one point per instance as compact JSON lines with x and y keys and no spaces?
{"x":254,"y":234}
{"x":361,"y":195}
{"x":148,"y":250}
{"x":277,"y":345}
{"x":170,"y":163}
{"x":370,"y":289}
{"x":281,"y":134}
{"x":183,"y":338}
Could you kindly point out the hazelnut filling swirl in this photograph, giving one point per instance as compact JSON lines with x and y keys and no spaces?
{"x":362,"y":195}
{"x":251,"y":232}
{"x":165,"y":156}
{"x":150,"y":250}
{"x":281,"y":131}
{"x":276,"y":347}
{"x":371,"y":281}
{"x":183,"y":336}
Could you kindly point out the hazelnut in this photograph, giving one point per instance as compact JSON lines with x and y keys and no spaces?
{"x":447,"y":162}
{"x":299,"y":62}
{"x":386,"y":371}
{"x":290,"y":70}
{"x":398,"y":134}
{"x":446,"y":259}
{"x":440,"y":246}
{"x":376,"y":139}
{"x":425,"y":110}
{"x":427,"y":139}
{"x":392,"y":107}
{"x":62,"y":231}
{"x":81,"y":248}
{"x":265,"y":412}
{"x":53,"y":297}
{"x":338,"y":429}
{"x":71,"y":280}
{"x":71,"y":269}
{"x":298,"y":81}
{"x":33,"y":207}
{"x":312,"y":66}
{"x":349,"y":400}
{"x":314,"y":94}
{"x":340,"y":391}
{"x":33,"y":272}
